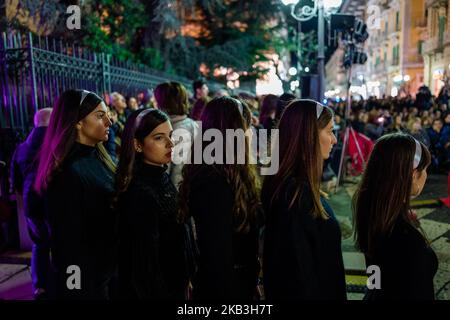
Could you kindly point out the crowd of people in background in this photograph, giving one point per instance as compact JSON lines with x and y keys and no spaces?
{"x":102,"y":194}
{"x":425,"y":117}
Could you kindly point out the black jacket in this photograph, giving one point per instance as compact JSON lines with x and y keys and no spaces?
{"x":82,"y":225}
{"x":228,"y":264}
{"x":23,"y":172}
{"x":302,"y":255}
{"x":152,"y":260}
{"x":407,"y":265}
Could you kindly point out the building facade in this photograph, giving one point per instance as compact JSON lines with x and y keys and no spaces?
{"x":436,"y":47}
{"x":397,"y":31}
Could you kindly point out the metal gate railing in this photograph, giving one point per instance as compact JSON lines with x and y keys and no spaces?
{"x":35,"y":70}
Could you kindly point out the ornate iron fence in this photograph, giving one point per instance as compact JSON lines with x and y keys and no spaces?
{"x":35,"y":70}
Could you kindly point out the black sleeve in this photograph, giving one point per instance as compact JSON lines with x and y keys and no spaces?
{"x":16,"y":177}
{"x":290,"y":252}
{"x":302,"y":233}
{"x":414,"y":270}
{"x":67,"y":222}
{"x":421,"y":283}
{"x":213,"y":220}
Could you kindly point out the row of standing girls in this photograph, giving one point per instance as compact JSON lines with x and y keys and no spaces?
{"x":131,"y":222}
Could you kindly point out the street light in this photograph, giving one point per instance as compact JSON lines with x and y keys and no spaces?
{"x":306,"y":13}
{"x":292,"y":71}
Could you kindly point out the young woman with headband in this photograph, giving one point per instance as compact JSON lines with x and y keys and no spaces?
{"x":302,"y":245}
{"x":75,"y":178}
{"x":153,"y":246}
{"x":386,"y":231}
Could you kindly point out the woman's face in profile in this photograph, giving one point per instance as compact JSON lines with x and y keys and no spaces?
{"x":157,"y":147}
{"x":94,"y":128}
{"x":327,"y":140}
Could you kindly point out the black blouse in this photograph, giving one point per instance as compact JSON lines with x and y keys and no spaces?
{"x":228,"y":264}
{"x":82,"y":225}
{"x":152,"y":263}
{"x":302,"y":255}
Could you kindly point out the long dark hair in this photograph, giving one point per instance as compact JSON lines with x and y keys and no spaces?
{"x":172,"y":98}
{"x":129,"y":158}
{"x":269,"y":105}
{"x":61,"y":135}
{"x":299,"y":152}
{"x":224,"y":113}
{"x":384,"y":193}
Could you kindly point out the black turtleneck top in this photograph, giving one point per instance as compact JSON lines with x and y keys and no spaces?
{"x":152,"y":261}
{"x":82,"y":224}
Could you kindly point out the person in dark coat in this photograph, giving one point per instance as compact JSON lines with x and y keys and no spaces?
{"x":224,"y":202}
{"x":302,"y":257}
{"x":75,"y":178}
{"x":386,"y":230}
{"x":268,"y":111}
{"x":23,"y":173}
{"x":153,"y":259}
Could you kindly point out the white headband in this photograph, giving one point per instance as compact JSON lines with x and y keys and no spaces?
{"x":319,"y":109}
{"x":319,"y":106}
{"x":417,"y":154}
{"x":138,"y":120}
{"x":241,"y":108}
{"x":84,"y":94}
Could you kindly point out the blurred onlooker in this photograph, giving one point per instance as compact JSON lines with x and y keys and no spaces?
{"x":424,"y":99}
{"x":268,"y":111}
{"x":198,"y":107}
{"x":132,"y":104}
{"x":374,"y":127}
{"x":172,"y":98}
{"x":416,"y":130}
{"x":443,"y":97}
{"x":436,"y":149}
{"x":23,"y":173}
{"x":110,"y":145}
{"x":119,"y":105}
{"x":144,"y":99}
{"x":447,"y":121}
{"x":200,"y":89}
{"x":283,"y":101}
{"x":397,"y":125}
{"x":252,"y":103}
{"x":359,"y":121}
{"x":445,"y":137}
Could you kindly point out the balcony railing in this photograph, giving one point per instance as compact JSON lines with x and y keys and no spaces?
{"x":380,"y":68}
{"x":429,"y":3}
{"x":420,"y":23}
{"x":433,"y":44}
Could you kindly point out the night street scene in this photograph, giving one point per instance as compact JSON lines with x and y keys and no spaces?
{"x":202,"y":152}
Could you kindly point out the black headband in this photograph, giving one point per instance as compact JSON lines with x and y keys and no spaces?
{"x":88,"y":102}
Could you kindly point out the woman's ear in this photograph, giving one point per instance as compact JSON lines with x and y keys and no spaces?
{"x":416,"y":174}
{"x":79,"y":125}
{"x":137,"y":145}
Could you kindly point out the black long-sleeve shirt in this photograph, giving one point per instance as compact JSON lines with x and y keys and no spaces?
{"x":228,"y":265}
{"x":302,"y":255}
{"x":152,"y":261}
{"x":407,"y":265}
{"x":82,"y":225}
